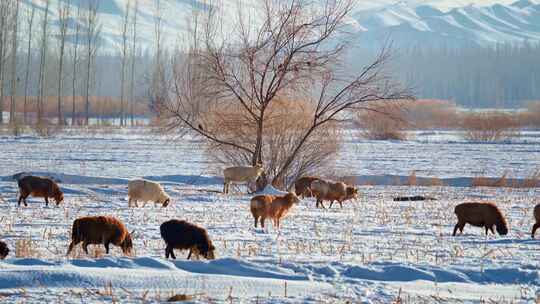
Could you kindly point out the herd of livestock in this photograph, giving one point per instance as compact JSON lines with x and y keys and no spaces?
{"x":180,"y":234}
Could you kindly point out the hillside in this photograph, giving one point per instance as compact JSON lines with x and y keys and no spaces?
{"x":431,"y":23}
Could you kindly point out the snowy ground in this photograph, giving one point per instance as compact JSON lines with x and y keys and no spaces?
{"x":374,"y":250}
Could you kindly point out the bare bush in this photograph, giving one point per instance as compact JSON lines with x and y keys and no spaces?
{"x":489,"y":126}
{"x":531,"y":117}
{"x":430,"y":114}
{"x":286,"y":122}
{"x":382,"y":122}
{"x":45,"y":128}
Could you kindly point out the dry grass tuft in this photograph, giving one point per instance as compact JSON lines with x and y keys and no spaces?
{"x":532,"y":181}
{"x":432,"y":182}
{"x":481,"y":181}
{"x":25,"y":248}
{"x":411,"y":179}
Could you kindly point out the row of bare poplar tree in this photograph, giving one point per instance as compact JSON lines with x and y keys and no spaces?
{"x":32,"y":51}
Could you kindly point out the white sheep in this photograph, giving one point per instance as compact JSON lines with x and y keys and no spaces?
{"x":144,"y":190}
{"x":240,"y":175}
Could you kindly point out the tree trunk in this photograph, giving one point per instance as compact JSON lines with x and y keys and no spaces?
{"x":42,"y":64}
{"x":59,"y":108}
{"x":28,"y":57}
{"x":87,"y":94}
{"x":3,"y":31}
{"x":133,"y":51}
{"x":74,"y":84}
{"x":14,"y":78}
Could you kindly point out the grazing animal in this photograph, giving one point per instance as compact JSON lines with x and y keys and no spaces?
{"x":240,"y":174}
{"x":179,"y":234}
{"x":144,"y":190}
{"x":329,"y":191}
{"x":4,"y":250}
{"x":302,"y":187}
{"x":273,"y":207}
{"x":536,"y":225}
{"x":104,"y":230}
{"x":484,"y":215}
{"x":39,"y":187}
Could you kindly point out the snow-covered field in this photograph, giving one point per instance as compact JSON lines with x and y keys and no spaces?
{"x":373,"y":250}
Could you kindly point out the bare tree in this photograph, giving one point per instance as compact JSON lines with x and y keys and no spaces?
{"x":14,"y":49}
{"x":75,"y":63}
{"x":5,"y":14}
{"x":93,"y":29}
{"x":133,"y":58}
{"x":30,"y":20}
{"x":158,"y":87}
{"x":64,"y":15}
{"x":124,"y":58}
{"x":42,"y":61}
{"x":295,"y":52}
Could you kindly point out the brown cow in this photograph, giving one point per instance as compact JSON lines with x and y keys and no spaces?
{"x":104,"y":230}
{"x":536,"y":214}
{"x":302,"y":187}
{"x":484,"y":215}
{"x":39,"y":187}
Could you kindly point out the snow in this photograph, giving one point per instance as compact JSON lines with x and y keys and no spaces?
{"x":371,"y":251}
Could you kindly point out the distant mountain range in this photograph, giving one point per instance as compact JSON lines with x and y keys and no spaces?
{"x":417,"y":23}
{"x":472,"y":25}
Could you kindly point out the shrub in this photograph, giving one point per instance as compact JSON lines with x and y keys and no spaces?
{"x":531,"y":117}
{"x":45,"y":128}
{"x":489,"y":126}
{"x":382,"y":121}
{"x":431,"y":114}
{"x":481,"y":181}
{"x":286,"y":122}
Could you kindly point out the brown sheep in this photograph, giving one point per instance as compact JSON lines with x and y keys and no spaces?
{"x":184,"y":235}
{"x":100,"y":230}
{"x":536,"y":225}
{"x":4,"y":250}
{"x":302,"y":186}
{"x":39,"y":187}
{"x":484,"y":215}
{"x":329,"y":191}
{"x":352,"y":193}
{"x":270,"y":206}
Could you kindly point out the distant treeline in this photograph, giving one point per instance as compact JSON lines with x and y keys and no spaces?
{"x":505,"y":76}
{"x":500,"y":76}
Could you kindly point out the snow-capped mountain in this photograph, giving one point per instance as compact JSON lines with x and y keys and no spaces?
{"x":412,"y":23}
{"x":426,"y":25}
